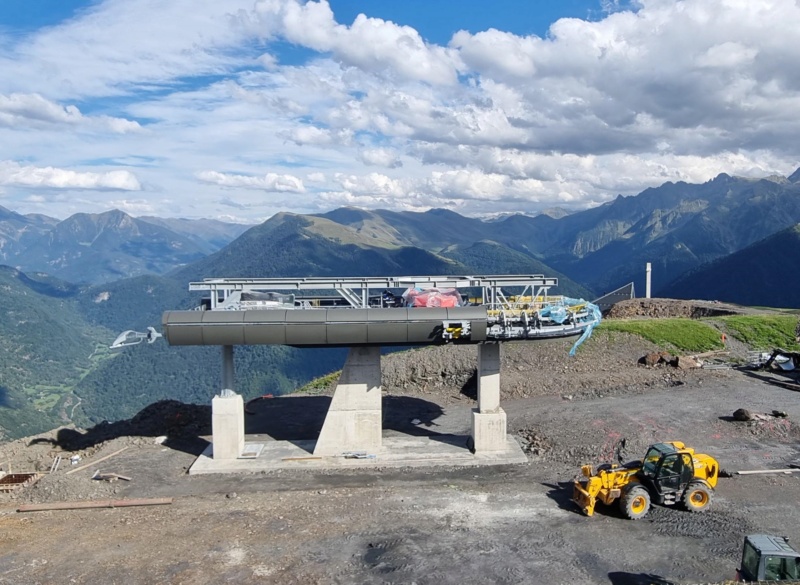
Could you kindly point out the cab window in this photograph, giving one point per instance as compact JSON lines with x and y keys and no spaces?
{"x":650,"y":462}
{"x":780,"y":568}
{"x":750,"y":561}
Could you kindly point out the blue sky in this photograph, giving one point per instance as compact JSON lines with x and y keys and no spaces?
{"x":240,"y":109}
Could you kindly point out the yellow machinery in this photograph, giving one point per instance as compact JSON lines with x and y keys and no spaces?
{"x":670,"y":473}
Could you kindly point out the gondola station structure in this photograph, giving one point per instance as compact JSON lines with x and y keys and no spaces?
{"x":364,"y":315}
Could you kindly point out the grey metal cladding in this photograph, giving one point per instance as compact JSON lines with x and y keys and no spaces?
{"x":346,"y":326}
{"x":307,"y":316}
{"x":387,"y":326}
{"x":223,"y":327}
{"x":182,"y":327}
{"x":425,"y":324}
{"x":477,"y":316}
{"x":306,"y":333}
{"x":347,"y":315}
{"x":318,"y":326}
{"x":306,"y":327}
{"x":265,"y":327}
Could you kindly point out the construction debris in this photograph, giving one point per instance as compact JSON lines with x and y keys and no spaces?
{"x":14,"y":481}
{"x":108,"y":476}
{"x":744,"y":415}
{"x":109,"y":456}
{"x":357,"y":455}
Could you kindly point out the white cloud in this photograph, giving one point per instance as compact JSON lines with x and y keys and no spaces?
{"x":12,"y":173}
{"x":311,"y":135}
{"x":369,"y":44}
{"x":491,"y":122}
{"x":268,"y":182}
{"x":381,"y":157}
{"x":21,"y":110}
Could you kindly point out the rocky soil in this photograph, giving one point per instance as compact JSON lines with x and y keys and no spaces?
{"x":508,"y":524}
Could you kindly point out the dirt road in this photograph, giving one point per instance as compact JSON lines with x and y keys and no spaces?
{"x":434,"y":526}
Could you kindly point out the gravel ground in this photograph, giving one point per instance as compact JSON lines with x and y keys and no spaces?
{"x":507,"y":524}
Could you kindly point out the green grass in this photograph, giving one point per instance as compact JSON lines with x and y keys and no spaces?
{"x":687,"y":335}
{"x":319,"y":385}
{"x":764,"y":331}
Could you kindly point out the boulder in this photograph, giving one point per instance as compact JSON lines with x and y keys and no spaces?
{"x":685,"y":362}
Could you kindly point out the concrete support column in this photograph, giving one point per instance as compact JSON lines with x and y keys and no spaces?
{"x":354,"y":419}
{"x":488,"y":377}
{"x":227,"y":426}
{"x":488,"y":420}
{"x":227,"y":413}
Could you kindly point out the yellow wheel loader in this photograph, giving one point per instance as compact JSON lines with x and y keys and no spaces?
{"x":670,"y":473}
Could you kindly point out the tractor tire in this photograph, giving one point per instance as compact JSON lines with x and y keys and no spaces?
{"x":697,"y":497}
{"x":635,"y":503}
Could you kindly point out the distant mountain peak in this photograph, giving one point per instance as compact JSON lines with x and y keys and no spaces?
{"x":795,"y":176}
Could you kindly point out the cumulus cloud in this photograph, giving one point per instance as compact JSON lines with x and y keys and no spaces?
{"x":647,"y":91}
{"x":21,"y":110}
{"x":370,"y":44}
{"x":268,"y":182}
{"x":312,"y":135}
{"x":380,"y":157}
{"x":12,"y":173}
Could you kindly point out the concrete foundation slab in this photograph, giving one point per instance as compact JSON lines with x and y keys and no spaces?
{"x":403,"y":451}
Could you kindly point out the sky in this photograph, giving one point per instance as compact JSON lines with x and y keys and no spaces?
{"x":241,"y":109}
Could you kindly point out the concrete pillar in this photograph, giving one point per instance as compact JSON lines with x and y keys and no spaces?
{"x":647,"y":283}
{"x":227,"y":426}
{"x":354,"y":419}
{"x":488,"y":420}
{"x":488,"y":377}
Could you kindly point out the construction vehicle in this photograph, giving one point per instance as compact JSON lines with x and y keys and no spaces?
{"x":670,"y":473}
{"x":768,"y":558}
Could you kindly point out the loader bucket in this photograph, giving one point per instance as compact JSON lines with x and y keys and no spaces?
{"x":583,"y":498}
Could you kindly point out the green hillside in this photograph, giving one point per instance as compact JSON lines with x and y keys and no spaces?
{"x":46,"y":349}
{"x":492,"y":258}
{"x":763,"y":274}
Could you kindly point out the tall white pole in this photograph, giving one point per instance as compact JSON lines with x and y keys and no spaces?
{"x":647,"y":287}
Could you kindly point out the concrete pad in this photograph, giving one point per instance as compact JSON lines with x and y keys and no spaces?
{"x":402,"y":451}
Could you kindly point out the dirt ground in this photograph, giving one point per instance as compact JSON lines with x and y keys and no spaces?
{"x":507,"y":524}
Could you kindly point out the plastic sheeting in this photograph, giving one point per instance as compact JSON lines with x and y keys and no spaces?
{"x":432,"y":297}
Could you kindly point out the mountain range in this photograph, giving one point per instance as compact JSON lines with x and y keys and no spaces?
{"x":71,"y":286}
{"x":93,"y":248}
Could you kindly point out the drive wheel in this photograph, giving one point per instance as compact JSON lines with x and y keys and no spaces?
{"x":635,"y":503}
{"x":697,"y":497}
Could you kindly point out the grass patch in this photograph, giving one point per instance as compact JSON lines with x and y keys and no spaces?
{"x":764,"y":331}
{"x":686,"y":335}
{"x":320,"y":385}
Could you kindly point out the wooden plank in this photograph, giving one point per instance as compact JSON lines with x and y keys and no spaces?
{"x":96,"y":461}
{"x":94,"y":504}
{"x":311,"y":458}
